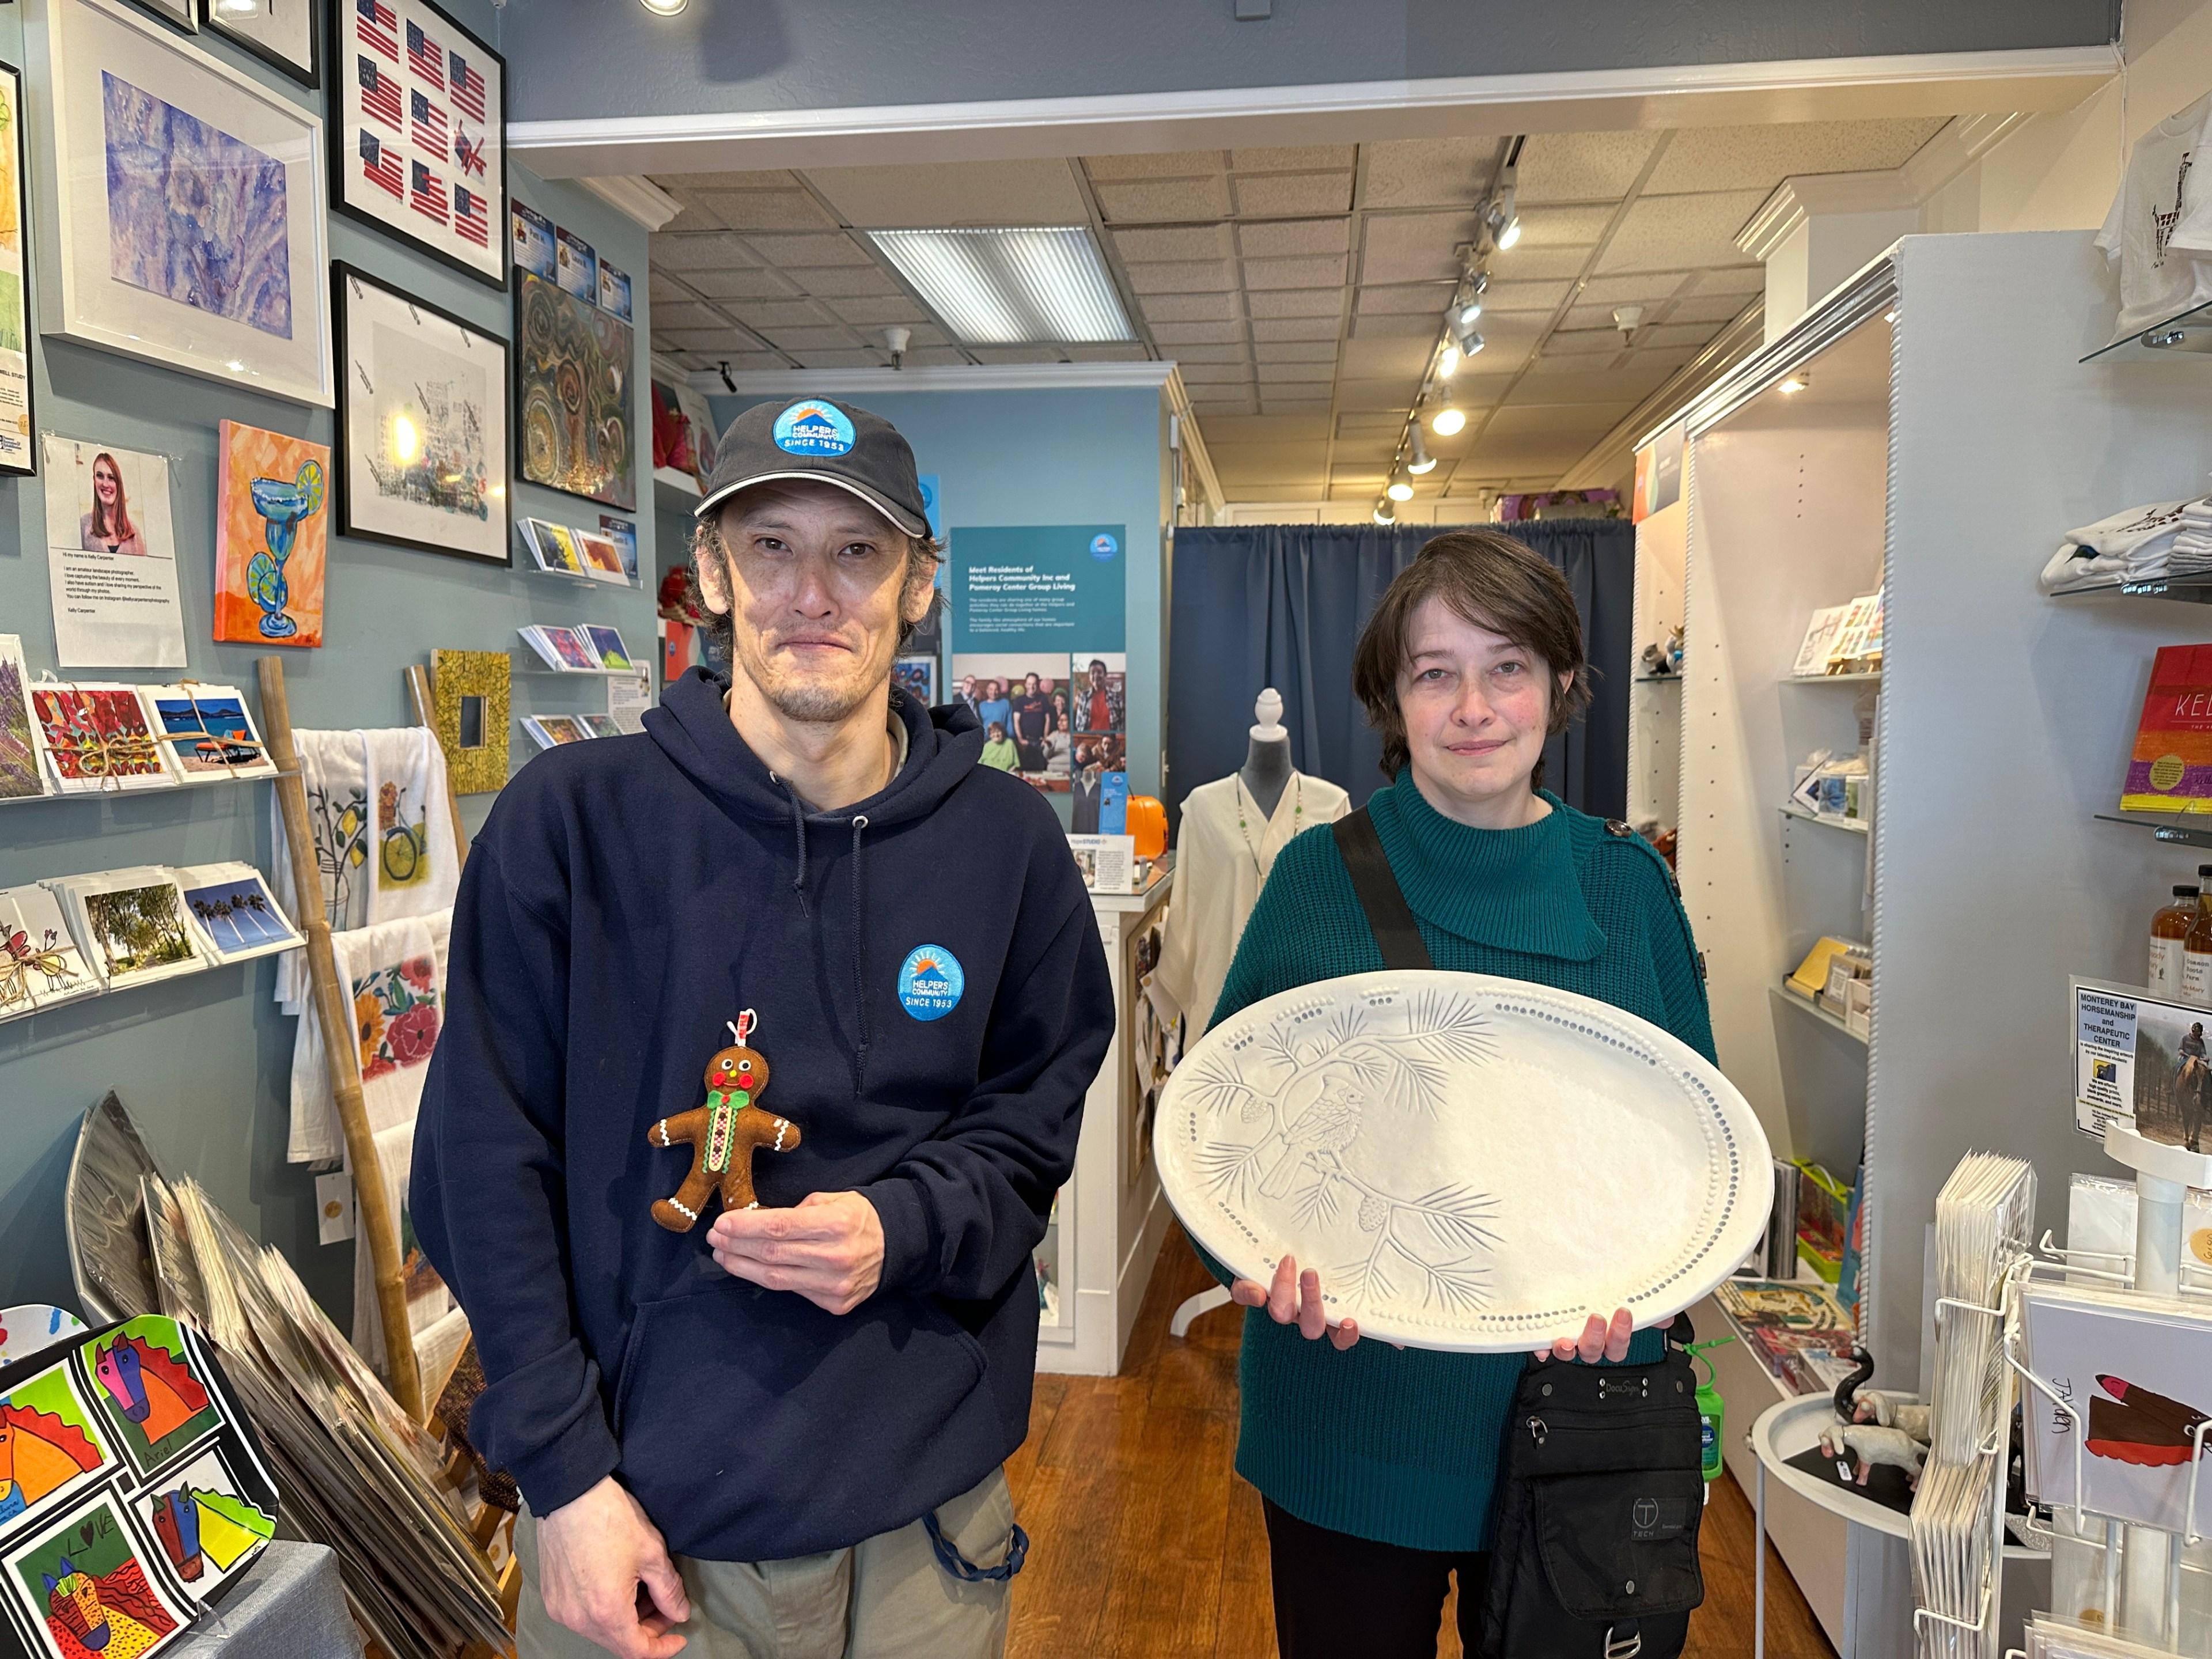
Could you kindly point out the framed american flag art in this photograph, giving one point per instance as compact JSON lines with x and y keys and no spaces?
{"x":418,"y":131}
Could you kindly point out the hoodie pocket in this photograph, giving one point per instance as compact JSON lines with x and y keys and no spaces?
{"x":740,"y":1408}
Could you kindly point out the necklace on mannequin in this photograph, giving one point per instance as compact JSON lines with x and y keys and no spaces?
{"x":1244,"y":829}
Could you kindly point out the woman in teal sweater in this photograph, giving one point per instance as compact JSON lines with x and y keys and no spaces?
{"x":1378,"y":1464}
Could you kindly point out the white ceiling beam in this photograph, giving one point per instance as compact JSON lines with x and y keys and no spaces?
{"x":639,"y":198}
{"x":934,"y":377}
{"x":1593,"y":100}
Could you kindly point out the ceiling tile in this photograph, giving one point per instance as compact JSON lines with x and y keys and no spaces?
{"x":1746,"y":279}
{"x":1670,"y":333}
{"x":1395,"y":393}
{"x":1190,"y":307}
{"x":1375,"y":359}
{"x":1587,"y":316}
{"x":1399,"y":324}
{"x":1521,"y":262}
{"x":1220,"y":433}
{"x":1227,"y":331}
{"x":1294,"y":273}
{"x":694,"y":251}
{"x":1182,"y":242}
{"x":1295,"y":351}
{"x":778,"y":313}
{"x":1362,"y":424}
{"x":1681,"y":233}
{"x":741,"y":281}
{"x":1708,"y":307}
{"x":1296,"y":328}
{"x":1298,"y":302}
{"x":825,"y":250}
{"x":1125,"y":352}
{"x":724,"y":341}
{"x":877,"y":311}
{"x":1589,"y":422}
{"x":844,"y":282}
{"x":661,"y":287}
{"x":1408,"y":247}
{"x":689,"y":314}
{"x":772,"y":179}
{"x":1169,"y":164}
{"x":1428,"y":298}
{"x":1558,"y":227}
{"x":1016,"y":353}
{"x":1508,"y":296}
{"x":1293,"y":192}
{"x":1275,"y":238}
{"x":1428,"y":172}
{"x":1580,"y":166}
{"x":1573,"y":380}
{"x":1580,"y":342}
{"x":1232,"y":351}
{"x":838,"y":357}
{"x":1183,"y":277}
{"x":1281,"y":402}
{"x":1294,"y":158}
{"x":932,"y":357}
{"x":1760,"y":157}
{"x":1216,"y":374}
{"x":801,"y":339}
{"x":764,"y":210}
{"x":1212,"y":407}
{"x":1276,"y":373}
{"x":1165,"y":198}
{"x":1639,"y":290}
{"x":1011,"y":192}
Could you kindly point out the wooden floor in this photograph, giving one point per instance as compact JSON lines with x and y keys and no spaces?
{"x":1143,"y":1542}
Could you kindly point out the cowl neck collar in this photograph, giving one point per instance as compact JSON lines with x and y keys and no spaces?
{"x":1515,"y":889}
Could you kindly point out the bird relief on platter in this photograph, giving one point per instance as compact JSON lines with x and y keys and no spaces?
{"x":1319,"y":1094}
{"x":1473,"y":1164}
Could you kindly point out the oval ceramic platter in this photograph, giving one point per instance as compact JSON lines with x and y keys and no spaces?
{"x":1474,"y":1164}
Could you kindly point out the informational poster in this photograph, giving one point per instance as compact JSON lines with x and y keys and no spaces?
{"x":111,"y":557}
{"x":1035,"y":609}
{"x":2141,"y":1062}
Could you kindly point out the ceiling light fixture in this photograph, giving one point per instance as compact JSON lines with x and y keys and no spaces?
{"x":1795,"y":383}
{"x":1467,"y":315}
{"x":1504,"y":224}
{"x":1447,"y":419}
{"x":1384,"y":513}
{"x":1011,"y":287}
{"x":663,"y":8}
{"x":1400,"y":490}
{"x":1469,"y":342}
{"x":1447,"y":361}
{"x":1422,"y":461}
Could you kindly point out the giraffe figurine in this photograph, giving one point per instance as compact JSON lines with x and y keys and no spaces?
{"x":722,"y":1134}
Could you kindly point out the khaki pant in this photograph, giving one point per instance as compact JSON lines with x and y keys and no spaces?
{"x":886,"y":1597}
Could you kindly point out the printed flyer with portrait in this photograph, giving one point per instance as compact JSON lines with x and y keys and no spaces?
{"x":2141,"y":1063}
{"x":111,"y":557}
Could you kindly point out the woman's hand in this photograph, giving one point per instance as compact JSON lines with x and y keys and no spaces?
{"x":1599,"y":1340}
{"x":1295,"y":1299}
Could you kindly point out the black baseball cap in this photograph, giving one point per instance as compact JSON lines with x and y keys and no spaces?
{"x":830,"y":443}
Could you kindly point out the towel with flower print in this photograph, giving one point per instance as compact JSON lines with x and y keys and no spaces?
{"x":396,"y":1012}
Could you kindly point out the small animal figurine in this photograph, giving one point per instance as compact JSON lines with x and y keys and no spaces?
{"x":722,"y":1134}
{"x":1892,"y":1410}
{"x":1875,"y":1445}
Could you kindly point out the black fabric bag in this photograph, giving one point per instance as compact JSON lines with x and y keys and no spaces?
{"x":1600,"y":1486}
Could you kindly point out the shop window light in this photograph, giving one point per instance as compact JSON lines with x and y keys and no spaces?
{"x":1010,"y":287}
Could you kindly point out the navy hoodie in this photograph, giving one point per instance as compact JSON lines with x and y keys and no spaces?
{"x":626,"y":899}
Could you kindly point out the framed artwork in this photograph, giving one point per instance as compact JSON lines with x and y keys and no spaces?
{"x":574,"y":395}
{"x":418,"y":132}
{"x":470,"y":695}
{"x":140,"y":120}
{"x":18,"y":453}
{"x":422,"y":424}
{"x":182,"y":13}
{"x":280,"y":33}
{"x":271,"y":536}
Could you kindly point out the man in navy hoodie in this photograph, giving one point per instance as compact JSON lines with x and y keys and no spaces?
{"x":780,"y":1430}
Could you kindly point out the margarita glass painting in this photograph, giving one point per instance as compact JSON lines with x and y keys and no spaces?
{"x":283,"y":505}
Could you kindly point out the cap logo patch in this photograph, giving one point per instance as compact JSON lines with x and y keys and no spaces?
{"x":812,"y":428}
{"x":930,"y":982}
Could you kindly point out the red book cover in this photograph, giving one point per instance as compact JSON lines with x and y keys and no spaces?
{"x":2171,"y":770}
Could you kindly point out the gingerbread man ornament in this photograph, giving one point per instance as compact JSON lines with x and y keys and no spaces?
{"x":722,"y":1134}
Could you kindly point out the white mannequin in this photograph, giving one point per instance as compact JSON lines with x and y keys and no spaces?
{"x":1266,"y":769}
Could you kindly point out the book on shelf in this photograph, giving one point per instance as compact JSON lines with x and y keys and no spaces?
{"x":1820,"y":635}
{"x":2171,"y":767}
{"x":1862,"y":623}
{"x":1811,"y":977}
{"x":1823,"y":1218}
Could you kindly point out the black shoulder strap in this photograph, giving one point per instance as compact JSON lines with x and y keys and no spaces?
{"x":1388,"y":916}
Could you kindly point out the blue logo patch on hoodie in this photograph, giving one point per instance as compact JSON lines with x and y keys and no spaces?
{"x":813,"y":428}
{"x":930,"y":981}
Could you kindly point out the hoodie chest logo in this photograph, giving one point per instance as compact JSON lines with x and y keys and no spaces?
{"x":930,"y":981}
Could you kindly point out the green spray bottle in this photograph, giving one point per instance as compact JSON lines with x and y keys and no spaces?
{"x":1712,"y":1410}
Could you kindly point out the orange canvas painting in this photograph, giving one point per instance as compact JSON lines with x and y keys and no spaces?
{"x":271,"y":535}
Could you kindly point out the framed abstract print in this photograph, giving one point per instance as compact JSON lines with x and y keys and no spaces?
{"x":422,"y":424}
{"x":18,"y":455}
{"x":141,"y":119}
{"x":575,"y":395}
{"x":280,"y":33}
{"x":418,"y":132}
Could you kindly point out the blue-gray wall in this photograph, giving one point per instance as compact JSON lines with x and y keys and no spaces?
{"x":1057,"y":455}
{"x":205,"y":1062}
{"x":721,"y":55}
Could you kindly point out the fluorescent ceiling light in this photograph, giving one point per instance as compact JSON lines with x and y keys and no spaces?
{"x":1013,"y":287}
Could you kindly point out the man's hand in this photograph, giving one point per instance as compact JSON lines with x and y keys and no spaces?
{"x":830,"y":1248}
{"x":603,"y":1572}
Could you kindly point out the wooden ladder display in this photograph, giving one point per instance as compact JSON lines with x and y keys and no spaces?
{"x":378,"y":1226}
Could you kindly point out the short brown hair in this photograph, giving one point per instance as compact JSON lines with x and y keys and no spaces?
{"x":1497,"y":583}
{"x":923,"y":555}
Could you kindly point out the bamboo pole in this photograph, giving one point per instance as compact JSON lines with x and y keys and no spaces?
{"x":341,"y":1048}
{"x":420,"y":687}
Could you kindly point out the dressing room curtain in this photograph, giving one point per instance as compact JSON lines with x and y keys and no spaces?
{"x":1283,"y":605}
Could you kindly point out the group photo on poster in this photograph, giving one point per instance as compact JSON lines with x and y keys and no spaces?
{"x":1022,"y":699}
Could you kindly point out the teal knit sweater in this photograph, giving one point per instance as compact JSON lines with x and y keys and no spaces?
{"x":1402,"y":1445}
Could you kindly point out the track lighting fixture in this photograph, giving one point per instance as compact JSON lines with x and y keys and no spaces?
{"x":1504,"y":223}
{"x":1422,"y":460}
{"x":663,"y":8}
{"x":1400,"y":490}
{"x":728,"y":384}
{"x":1447,"y":361}
{"x":1447,"y":419}
{"x":1384,"y":513}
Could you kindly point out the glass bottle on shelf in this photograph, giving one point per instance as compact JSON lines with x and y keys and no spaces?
{"x":2197,"y":945}
{"x":2169,"y":927}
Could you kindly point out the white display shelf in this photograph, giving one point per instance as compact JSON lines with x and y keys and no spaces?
{"x":2185,"y":591}
{"x":225,"y":781}
{"x":1807,"y":1005}
{"x":536,"y":569}
{"x":677,"y":492}
{"x":2184,"y":335}
{"x":1827,"y":820}
{"x":1872,"y":676}
{"x":580,"y":673}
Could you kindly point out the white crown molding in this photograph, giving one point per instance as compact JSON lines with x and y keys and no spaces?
{"x":1812,"y":89}
{"x":639,"y":198}
{"x":944,"y":377}
{"x":1955,"y":147}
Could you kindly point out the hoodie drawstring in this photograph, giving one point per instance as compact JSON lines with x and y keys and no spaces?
{"x":798,"y":833}
{"x":859,"y":953}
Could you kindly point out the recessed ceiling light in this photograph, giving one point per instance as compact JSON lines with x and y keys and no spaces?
{"x":1011,"y":287}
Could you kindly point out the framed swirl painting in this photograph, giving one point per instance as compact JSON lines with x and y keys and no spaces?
{"x":575,"y":394}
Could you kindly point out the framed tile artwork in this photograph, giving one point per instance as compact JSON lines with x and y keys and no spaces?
{"x":418,"y":132}
{"x":575,"y":394}
{"x":136,"y":115}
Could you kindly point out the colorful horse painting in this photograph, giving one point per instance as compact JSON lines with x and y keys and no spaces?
{"x":39,"y":1453}
{"x":149,"y":1386}
{"x":117,"y":1617}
